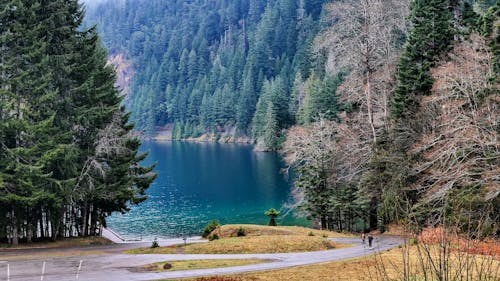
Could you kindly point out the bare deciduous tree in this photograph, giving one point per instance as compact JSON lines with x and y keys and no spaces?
{"x":364,"y":40}
{"x":460,"y":146}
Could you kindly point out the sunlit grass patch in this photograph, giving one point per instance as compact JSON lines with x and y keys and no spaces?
{"x":231,"y":230}
{"x":247,"y":245}
{"x":262,"y":244}
{"x":257,"y":239}
{"x":199,"y":264}
{"x":388,"y":265}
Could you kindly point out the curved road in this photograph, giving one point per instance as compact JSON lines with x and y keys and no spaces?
{"x":115,"y":266}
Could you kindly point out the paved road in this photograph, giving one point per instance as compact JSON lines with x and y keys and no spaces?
{"x":115,"y":266}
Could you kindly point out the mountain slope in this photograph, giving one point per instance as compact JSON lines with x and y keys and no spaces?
{"x":202,"y":65}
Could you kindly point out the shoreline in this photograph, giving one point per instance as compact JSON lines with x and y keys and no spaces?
{"x":118,"y":239}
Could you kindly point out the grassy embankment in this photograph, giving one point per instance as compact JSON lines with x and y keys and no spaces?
{"x":257,"y":239}
{"x":386,"y":266}
{"x":61,"y":243}
{"x":424,"y":260}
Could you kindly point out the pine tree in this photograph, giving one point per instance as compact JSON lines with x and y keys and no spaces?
{"x":431,"y":34}
{"x":270,"y":134}
{"x":58,"y":98}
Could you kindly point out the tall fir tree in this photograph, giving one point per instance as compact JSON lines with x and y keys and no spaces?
{"x":58,"y":97}
{"x":430,"y":35}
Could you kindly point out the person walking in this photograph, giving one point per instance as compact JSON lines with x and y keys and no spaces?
{"x":370,"y":239}
{"x":363,"y":237}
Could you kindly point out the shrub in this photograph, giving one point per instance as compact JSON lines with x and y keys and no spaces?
{"x":272,"y":214}
{"x":155,"y":244}
{"x":211,"y":226}
{"x":241,"y":232}
{"x":213,"y":237}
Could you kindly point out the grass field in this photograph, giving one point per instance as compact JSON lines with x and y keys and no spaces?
{"x":62,"y":243}
{"x":257,"y":239}
{"x":389,"y":265}
{"x":198,"y":264}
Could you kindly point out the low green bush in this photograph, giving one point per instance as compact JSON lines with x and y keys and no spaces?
{"x":155,"y":244}
{"x":211,"y":226}
{"x":241,"y":232}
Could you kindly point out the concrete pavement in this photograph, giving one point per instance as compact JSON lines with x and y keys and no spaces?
{"x":116,"y":266}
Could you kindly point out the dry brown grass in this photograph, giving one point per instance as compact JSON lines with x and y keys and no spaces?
{"x":231,"y":230}
{"x":198,"y":264}
{"x":247,"y":245}
{"x":62,"y":253}
{"x":63,"y":243}
{"x":348,"y":270}
{"x":159,"y":250}
{"x":257,"y":239}
{"x":359,"y":269}
{"x":262,"y":244}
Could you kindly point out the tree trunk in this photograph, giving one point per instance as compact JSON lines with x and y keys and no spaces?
{"x":42,"y":228}
{"x":85,"y":219}
{"x":369,"y":104}
{"x":29,"y":227}
{"x":323,"y":223}
{"x":15,"y":234}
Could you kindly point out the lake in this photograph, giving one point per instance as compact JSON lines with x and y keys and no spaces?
{"x":200,"y":182}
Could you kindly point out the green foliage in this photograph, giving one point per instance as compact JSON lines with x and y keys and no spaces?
{"x":469,"y":212}
{"x":430,"y":35}
{"x":155,"y":244}
{"x":320,"y":99}
{"x":272,"y":214}
{"x":241,"y":232}
{"x":213,"y":237}
{"x":211,"y":226}
{"x":413,"y":241}
{"x":203,"y":66}
{"x":469,"y":18}
{"x":271,"y":114}
{"x":489,"y":28}
{"x":67,"y":158}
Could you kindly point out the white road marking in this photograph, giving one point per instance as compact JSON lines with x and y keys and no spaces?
{"x":43,"y":271}
{"x":79,"y":268}
{"x":8,"y":272}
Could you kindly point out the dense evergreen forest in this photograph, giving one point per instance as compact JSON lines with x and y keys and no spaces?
{"x":67,"y":155}
{"x":217,"y":67}
{"x":387,"y":110}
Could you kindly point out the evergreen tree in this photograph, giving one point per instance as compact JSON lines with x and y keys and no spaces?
{"x":430,"y":35}
{"x":270,"y":133}
{"x":58,"y":97}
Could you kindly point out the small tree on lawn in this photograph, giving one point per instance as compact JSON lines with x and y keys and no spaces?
{"x":272,"y":214}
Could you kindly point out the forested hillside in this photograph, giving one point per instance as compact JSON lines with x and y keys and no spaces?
{"x":389,"y":108}
{"x":217,"y":67}
{"x":67,"y":155}
{"x":416,"y":139}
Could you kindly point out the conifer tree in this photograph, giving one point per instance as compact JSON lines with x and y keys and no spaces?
{"x":431,"y":33}
{"x":61,"y":172}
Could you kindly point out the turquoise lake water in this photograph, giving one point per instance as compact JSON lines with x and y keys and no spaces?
{"x":199,"y":182}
